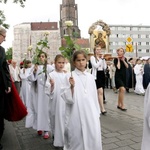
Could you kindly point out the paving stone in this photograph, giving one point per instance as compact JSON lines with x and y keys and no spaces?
{"x":124,"y":143}
{"x":111,"y":135}
{"x":137,"y":139}
{"x":109,"y":140}
{"x":124,"y":148}
{"x":126,"y":131}
{"x":125,"y":136}
{"x":136,"y":146}
{"x":110,"y":146}
{"x":137,"y":133}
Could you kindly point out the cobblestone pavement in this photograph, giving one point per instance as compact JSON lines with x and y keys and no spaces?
{"x":120,"y":130}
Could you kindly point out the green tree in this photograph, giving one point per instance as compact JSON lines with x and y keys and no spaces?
{"x":9,"y":53}
{"x":2,"y":15}
{"x":15,"y":1}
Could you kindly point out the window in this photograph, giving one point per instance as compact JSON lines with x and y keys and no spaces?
{"x":113,"y":35}
{"x":110,"y":43}
{"x":147,"y":43}
{"x":147,"y":36}
{"x":143,"y":36}
{"x":120,"y":28}
{"x":135,"y":36}
{"x":120,"y":43}
{"x":135,"y":29}
{"x":139,"y":43}
{"x":112,"y":28}
{"x":139,"y":50}
{"x":143,"y":29}
{"x":127,"y":28}
{"x":147,"y":51}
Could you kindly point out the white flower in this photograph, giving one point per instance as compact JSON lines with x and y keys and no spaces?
{"x":69,"y":23}
{"x":46,"y":33}
{"x":30,"y":48}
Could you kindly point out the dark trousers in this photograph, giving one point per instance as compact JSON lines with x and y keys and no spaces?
{"x":17,"y":85}
{"x":1,"y":115}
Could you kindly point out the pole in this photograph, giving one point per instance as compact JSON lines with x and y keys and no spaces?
{"x":136,"y":50}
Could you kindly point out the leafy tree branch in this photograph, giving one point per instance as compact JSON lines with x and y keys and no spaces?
{"x":2,"y":15}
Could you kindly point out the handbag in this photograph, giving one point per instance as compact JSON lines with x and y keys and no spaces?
{"x":14,"y":109}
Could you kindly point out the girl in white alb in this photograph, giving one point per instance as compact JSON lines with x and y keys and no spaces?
{"x":139,"y":71}
{"x":54,"y":85}
{"x":38,"y":116}
{"x":82,"y":117}
{"x":25,"y":84}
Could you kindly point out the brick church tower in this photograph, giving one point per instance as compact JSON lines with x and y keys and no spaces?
{"x":69,"y":11}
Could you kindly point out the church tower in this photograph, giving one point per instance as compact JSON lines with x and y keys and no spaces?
{"x":69,"y":11}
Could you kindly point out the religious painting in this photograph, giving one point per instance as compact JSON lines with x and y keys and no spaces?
{"x":99,"y":35}
{"x":100,"y":38}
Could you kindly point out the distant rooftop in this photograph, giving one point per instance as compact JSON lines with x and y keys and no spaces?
{"x":44,"y":26}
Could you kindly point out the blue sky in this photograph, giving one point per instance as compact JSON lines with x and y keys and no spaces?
{"x":130,"y":12}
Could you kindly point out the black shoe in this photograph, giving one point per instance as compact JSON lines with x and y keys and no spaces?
{"x":118,"y":107}
{"x":103,"y":112}
{"x":123,"y":109}
{"x":127,"y":90}
{"x":104,"y":102}
{"x":1,"y":147}
{"x":58,"y":148}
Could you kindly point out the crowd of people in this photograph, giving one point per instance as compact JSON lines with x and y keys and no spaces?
{"x":137,"y":75}
{"x":65,"y":104}
{"x":55,"y":101}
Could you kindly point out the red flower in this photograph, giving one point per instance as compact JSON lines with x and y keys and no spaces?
{"x":9,"y":61}
{"x":21,"y":63}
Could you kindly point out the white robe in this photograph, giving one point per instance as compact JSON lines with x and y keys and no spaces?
{"x":146,"y":126}
{"x":38,"y":110}
{"x":82,"y":117}
{"x":57,"y":107}
{"x":25,"y":86}
{"x":138,"y":70}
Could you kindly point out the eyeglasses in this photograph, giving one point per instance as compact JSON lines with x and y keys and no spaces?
{"x":4,"y":36}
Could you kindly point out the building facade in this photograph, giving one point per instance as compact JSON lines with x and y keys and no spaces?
{"x":140,"y":39}
{"x":28,"y":34}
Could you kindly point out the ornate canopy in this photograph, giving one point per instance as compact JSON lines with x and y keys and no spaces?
{"x":104,"y":26}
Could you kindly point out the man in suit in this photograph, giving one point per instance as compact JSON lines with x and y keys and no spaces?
{"x":5,"y":81}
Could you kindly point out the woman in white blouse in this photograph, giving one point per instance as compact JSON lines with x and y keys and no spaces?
{"x":98,"y":71}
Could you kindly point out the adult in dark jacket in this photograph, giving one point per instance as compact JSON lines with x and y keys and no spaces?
{"x":129,"y":75}
{"x":5,"y":81}
{"x":146,"y":75}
